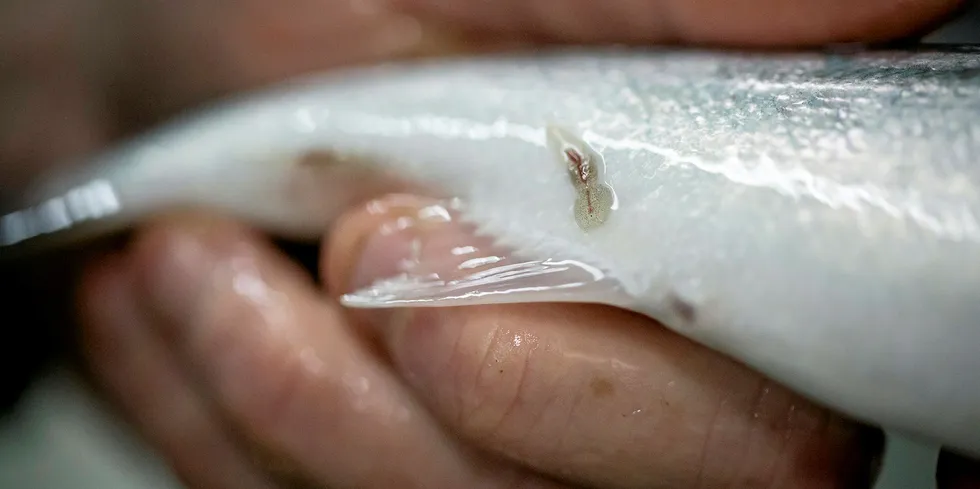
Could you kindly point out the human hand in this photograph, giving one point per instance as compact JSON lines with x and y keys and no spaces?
{"x":263,"y":381}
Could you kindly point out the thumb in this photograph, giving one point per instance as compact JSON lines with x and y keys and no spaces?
{"x":592,"y":395}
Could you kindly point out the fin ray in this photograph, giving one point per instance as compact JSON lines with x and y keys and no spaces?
{"x":505,"y":282}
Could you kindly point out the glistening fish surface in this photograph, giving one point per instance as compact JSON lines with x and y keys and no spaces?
{"x":814,"y":215}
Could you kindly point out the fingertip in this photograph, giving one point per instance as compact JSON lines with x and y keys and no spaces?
{"x":397,"y":235}
{"x":343,"y":245}
{"x":183,"y":265}
{"x":135,"y":367}
{"x":376,"y":240}
{"x":173,"y":261}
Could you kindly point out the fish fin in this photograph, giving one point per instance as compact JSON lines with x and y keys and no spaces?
{"x":456,"y":260}
{"x":506,"y":281}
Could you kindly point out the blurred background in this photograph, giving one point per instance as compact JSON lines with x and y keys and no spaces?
{"x":57,"y":435}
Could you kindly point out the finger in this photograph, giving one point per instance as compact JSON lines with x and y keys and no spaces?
{"x":137,"y":372}
{"x":212,"y":48}
{"x":593,"y":394}
{"x":282,"y":366}
{"x":957,"y":472}
{"x":208,"y":49}
{"x":51,"y":67}
{"x":33,"y":295}
{"x":766,"y":23}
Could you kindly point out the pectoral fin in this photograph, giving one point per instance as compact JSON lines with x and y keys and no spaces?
{"x":491,"y":280}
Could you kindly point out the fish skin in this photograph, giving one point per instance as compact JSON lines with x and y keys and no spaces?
{"x":813,"y":215}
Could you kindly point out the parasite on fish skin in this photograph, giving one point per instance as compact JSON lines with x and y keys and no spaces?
{"x":595,"y":199}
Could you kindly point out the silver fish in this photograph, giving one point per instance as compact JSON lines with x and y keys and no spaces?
{"x":813,"y":215}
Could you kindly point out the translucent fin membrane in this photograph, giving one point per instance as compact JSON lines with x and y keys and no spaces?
{"x":452,"y":265}
{"x":506,"y":282}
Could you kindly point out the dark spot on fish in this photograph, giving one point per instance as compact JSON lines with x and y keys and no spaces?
{"x":326,"y":157}
{"x":602,"y":387}
{"x":684,"y":310}
{"x":328,"y":182}
{"x":317,"y":158}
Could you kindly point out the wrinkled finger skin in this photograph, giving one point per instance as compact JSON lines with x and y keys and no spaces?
{"x":601,"y":396}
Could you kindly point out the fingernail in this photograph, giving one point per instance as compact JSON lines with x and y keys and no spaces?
{"x":392,"y":246}
{"x":412,"y":236}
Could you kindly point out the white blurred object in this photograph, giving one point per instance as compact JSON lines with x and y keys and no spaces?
{"x":62,"y":437}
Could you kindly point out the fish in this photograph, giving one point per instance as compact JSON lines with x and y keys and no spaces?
{"x":811,"y":214}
